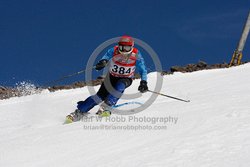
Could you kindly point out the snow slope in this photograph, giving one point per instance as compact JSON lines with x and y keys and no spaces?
{"x":212,"y":130}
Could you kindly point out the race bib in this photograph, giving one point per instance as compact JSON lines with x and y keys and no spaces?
{"x":121,"y":71}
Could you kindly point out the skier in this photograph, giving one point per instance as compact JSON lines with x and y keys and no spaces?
{"x":123,"y":60}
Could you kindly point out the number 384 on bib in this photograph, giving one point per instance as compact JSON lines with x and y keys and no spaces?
{"x":118,"y":70}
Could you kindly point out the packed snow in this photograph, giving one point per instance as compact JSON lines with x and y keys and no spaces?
{"x":212,"y":130}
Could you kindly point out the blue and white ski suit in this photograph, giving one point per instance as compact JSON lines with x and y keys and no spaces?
{"x":118,"y":83}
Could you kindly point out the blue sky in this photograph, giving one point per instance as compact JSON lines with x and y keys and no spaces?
{"x":41,"y":40}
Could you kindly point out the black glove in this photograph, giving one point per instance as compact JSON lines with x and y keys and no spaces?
{"x":143,"y":86}
{"x":101,"y":64}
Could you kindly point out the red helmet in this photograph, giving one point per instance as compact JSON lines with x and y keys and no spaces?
{"x":126,"y":40}
{"x":126,"y":44}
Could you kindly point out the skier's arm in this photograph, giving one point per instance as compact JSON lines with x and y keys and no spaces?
{"x":104,"y":60}
{"x":140,"y":66}
{"x":108,"y":55}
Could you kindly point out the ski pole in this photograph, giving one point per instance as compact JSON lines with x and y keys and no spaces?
{"x":169,"y":96}
{"x":68,"y":76}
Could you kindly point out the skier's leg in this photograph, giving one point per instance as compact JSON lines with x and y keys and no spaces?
{"x":111,"y":100}
{"x":84,"y":106}
{"x":120,"y":86}
{"x":90,"y":102}
{"x":113,"y":97}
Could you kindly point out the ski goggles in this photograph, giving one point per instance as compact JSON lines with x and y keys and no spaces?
{"x":125,"y":48}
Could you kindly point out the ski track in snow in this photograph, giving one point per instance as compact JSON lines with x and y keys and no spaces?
{"x":212,"y":130}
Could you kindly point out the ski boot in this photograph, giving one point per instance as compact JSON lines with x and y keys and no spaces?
{"x":104,"y":110}
{"x":77,"y":115}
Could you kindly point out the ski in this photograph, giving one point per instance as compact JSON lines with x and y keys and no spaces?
{"x":69,"y":118}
